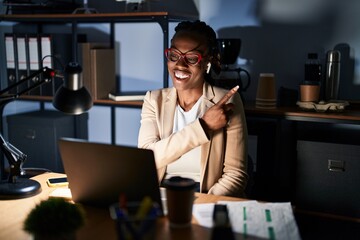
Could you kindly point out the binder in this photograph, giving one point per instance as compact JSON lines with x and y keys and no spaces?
{"x":62,"y":54}
{"x":86,"y":64}
{"x":10,"y":60}
{"x":21,"y":60}
{"x":46,"y":61}
{"x":102,"y":72}
{"x":33,"y":54}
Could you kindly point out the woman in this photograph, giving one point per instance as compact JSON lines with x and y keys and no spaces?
{"x":191,"y":128}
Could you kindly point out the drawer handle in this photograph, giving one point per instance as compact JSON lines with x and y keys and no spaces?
{"x":336,"y":165}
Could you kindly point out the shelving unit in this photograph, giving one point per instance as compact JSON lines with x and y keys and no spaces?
{"x":162,"y":18}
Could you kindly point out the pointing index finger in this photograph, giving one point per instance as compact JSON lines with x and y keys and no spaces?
{"x":227,"y":96}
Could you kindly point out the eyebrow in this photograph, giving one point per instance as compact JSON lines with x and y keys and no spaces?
{"x":192,"y":50}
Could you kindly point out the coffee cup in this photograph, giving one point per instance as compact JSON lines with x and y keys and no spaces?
{"x":180,"y":198}
{"x":266,"y":91}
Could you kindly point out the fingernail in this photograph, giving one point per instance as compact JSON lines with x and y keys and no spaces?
{"x":237,"y":87}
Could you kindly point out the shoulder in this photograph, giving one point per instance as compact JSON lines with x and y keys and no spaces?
{"x":163,"y":92}
{"x":159,"y":95}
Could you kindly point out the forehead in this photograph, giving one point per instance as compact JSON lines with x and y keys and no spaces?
{"x":185,"y":41}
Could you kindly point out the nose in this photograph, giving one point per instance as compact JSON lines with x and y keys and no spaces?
{"x":181,"y":61}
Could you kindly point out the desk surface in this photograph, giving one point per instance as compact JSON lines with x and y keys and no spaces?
{"x":349,"y":115}
{"x":99,"y":225}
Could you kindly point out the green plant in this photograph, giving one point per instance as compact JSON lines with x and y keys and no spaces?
{"x":54,"y":216}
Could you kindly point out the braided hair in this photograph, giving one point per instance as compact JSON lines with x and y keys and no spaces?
{"x":201,"y":28}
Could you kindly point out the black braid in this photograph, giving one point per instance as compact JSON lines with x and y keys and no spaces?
{"x":202,"y":28}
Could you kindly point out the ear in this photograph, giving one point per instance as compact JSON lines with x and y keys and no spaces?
{"x":208,"y":67}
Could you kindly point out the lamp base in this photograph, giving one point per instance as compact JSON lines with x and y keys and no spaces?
{"x":23,"y":188}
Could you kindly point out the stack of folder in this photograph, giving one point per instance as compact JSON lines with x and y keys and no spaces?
{"x":27,"y":53}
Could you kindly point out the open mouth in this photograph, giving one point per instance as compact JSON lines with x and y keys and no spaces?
{"x":181,"y":75}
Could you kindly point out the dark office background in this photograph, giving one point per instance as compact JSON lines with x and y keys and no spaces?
{"x":276,"y":37}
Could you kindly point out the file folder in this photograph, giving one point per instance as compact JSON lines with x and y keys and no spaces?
{"x":10,"y":60}
{"x":21,"y":60}
{"x":33,"y":61}
{"x":46,"y":61}
{"x":56,"y":53}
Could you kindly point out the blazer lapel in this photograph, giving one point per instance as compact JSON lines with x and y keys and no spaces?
{"x":168,"y":111}
{"x":208,"y":96}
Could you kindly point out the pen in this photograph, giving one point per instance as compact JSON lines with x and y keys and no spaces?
{"x":144,"y":208}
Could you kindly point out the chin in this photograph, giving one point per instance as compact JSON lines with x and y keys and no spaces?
{"x":179,"y":83}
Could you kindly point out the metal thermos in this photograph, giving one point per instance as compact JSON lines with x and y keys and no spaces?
{"x":332,"y":77}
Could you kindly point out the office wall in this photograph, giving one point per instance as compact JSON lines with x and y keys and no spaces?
{"x":276,"y":37}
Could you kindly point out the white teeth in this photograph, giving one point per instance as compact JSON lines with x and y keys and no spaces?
{"x":181,"y":75}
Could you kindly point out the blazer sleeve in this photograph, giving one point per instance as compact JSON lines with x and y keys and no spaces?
{"x":233,"y":176}
{"x":167,"y":147}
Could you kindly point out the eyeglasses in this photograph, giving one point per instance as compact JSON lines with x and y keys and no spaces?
{"x":190,"y":58}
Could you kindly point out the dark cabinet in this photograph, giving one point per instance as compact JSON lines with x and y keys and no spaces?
{"x":328,"y":178}
{"x":310,"y":159}
{"x":36,"y":135}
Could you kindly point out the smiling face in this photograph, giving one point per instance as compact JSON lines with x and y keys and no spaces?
{"x":187,"y":76}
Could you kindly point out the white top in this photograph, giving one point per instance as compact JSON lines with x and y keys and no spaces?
{"x":188,"y":165}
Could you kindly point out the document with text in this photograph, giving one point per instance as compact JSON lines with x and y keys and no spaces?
{"x":273,"y":221}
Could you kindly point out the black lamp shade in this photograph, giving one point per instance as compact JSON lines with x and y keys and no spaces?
{"x":72,"y":97}
{"x":72,"y":102}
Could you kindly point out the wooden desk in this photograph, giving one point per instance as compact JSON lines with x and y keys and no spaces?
{"x":99,"y":225}
{"x":278,"y":134}
{"x":349,"y":115}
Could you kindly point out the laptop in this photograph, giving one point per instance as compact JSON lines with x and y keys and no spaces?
{"x":98,"y":173}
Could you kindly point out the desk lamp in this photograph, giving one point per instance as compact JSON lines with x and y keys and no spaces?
{"x":71,"y":98}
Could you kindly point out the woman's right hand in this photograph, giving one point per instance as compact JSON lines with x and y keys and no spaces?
{"x":218,"y":115}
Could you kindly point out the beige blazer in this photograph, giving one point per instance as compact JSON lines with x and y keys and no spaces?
{"x":223,"y":152}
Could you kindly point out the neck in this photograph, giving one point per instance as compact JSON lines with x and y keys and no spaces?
{"x":187,"y":99}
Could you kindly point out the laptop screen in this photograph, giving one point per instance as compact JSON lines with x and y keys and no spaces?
{"x":98,"y":173}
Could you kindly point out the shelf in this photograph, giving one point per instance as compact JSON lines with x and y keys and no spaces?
{"x":97,"y":17}
{"x":119,"y":103}
{"x":162,"y":18}
{"x":349,"y":115}
{"x":107,"y":102}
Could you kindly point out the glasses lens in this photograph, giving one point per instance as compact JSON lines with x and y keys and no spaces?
{"x":192,"y":58}
{"x":173,"y":56}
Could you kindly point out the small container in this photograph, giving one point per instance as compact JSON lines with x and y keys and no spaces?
{"x":309,"y":92}
{"x":129,"y":226}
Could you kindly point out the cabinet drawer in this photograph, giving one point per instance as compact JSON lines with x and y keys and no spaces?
{"x":36,"y":134}
{"x":328,"y":178}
